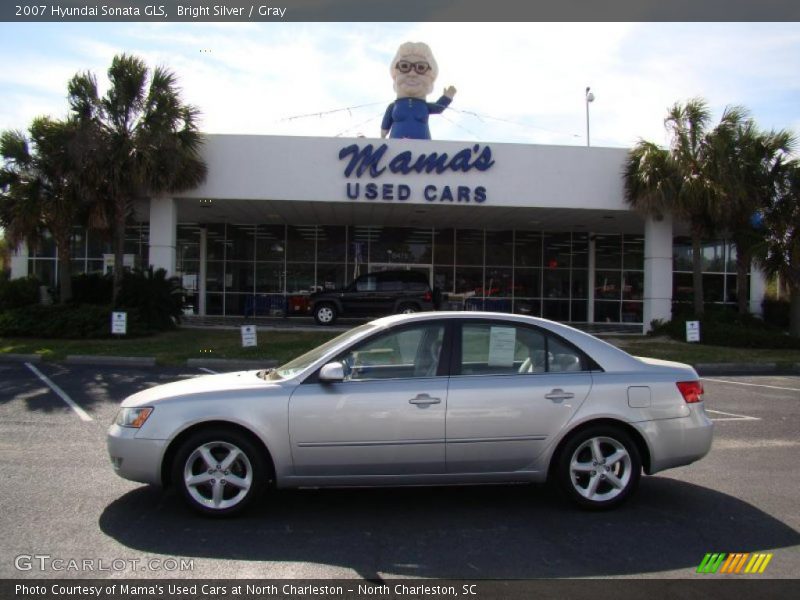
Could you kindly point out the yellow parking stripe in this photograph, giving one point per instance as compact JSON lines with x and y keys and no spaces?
{"x":765,"y":563}
{"x":752,"y":566}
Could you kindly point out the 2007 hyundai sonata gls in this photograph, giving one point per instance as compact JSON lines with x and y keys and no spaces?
{"x":429,"y":398}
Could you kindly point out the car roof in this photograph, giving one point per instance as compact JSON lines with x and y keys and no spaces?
{"x":398,"y":274}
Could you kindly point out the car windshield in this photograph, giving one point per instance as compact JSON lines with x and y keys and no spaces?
{"x":303,"y":361}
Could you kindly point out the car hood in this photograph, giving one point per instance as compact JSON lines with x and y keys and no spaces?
{"x":321,"y":293}
{"x":228,"y":383}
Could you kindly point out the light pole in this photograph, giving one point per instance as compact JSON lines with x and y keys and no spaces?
{"x":589,"y":98}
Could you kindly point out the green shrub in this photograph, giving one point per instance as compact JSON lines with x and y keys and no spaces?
{"x":92,"y":289}
{"x":157,"y":299}
{"x":728,"y":328}
{"x":776,"y":312}
{"x":70,"y":321}
{"x":16,"y":293}
{"x":153,"y":303}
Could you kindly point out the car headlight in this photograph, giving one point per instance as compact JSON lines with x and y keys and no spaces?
{"x":133,"y":417}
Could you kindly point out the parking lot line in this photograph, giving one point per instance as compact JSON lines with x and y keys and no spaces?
{"x":208,"y":370}
{"x":84,"y":416}
{"x":772,"y":387}
{"x":731,"y":416}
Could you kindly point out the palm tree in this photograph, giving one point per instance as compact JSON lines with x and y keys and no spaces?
{"x":5,"y":257}
{"x":748,"y":164}
{"x":41,"y":189}
{"x":675,"y":180}
{"x":144,"y":141}
{"x":782,"y":258}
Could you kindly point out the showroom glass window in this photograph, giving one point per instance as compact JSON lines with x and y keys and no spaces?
{"x":718,"y":259}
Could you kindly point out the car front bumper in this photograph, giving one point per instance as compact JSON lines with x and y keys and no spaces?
{"x":135,"y":458}
{"x":680,"y":441}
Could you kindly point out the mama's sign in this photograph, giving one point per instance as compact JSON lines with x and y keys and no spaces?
{"x":372,"y":162}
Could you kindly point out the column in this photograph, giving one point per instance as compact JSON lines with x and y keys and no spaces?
{"x":758,"y":289}
{"x":163,"y":231}
{"x":19,"y":261}
{"x":202,"y":271}
{"x":657,"y":270}
{"x":592,"y":279}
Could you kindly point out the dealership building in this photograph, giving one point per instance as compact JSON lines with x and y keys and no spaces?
{"x":541,"y":230}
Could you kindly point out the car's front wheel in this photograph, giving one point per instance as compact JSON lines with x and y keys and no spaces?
{"x":325,"y":314}
{"x":219,"y":472}
{"x":599,"y":467}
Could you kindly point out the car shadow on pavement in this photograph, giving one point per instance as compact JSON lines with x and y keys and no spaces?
{"x":504,"y":532}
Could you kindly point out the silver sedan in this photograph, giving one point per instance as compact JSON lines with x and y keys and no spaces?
{"x":429,"y":398}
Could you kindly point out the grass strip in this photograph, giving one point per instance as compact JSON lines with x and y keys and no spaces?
{"x":175,"y":347}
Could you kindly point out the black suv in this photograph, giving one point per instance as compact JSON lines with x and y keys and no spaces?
{"x":381,"y":293}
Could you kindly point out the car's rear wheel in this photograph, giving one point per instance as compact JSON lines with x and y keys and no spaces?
{"x":219,"y":472}
{"x":407,"y":308}
{"x":599,"y":467}
{"x":325,"y":314}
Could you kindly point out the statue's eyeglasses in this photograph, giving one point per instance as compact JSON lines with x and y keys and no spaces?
{"x":420,"y":68}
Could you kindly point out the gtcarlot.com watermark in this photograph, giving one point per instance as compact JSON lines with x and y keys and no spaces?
{"x":49,"y":563}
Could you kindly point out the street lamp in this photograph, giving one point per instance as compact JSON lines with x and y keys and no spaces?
{"x":589,"y":98}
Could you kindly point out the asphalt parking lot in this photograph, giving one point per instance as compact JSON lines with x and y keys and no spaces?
{"x":61,"y":499}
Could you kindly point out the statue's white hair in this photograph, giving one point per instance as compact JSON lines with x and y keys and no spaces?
{"x":417,"y":49}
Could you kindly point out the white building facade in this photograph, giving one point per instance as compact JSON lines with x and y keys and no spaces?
{"x":541,"y":230}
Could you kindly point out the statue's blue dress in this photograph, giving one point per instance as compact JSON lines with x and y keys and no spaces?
{"x":408,"y":117}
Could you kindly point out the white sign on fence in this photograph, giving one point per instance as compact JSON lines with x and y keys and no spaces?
{"x":249,"y":336}
{"x":119,"y":323}
{"x":692,"y":331}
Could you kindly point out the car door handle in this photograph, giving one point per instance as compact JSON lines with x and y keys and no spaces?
{"x":424,"y":400}
{"x":559,"y":394}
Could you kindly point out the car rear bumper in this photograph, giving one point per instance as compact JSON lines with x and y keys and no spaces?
{"x":133,"y":458}
{"x":677,"y":442}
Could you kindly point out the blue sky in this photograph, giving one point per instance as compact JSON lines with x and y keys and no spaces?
{"x":520,"y":83}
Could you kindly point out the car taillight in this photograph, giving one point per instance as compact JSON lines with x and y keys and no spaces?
{"x":427,"y":297}
{"x":691,"y":391}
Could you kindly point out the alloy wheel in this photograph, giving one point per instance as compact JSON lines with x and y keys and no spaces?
{"x":218,"y":475}
{"x":600,"y":469}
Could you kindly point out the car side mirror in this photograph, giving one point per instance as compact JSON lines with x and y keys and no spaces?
{"x":332,"y":372}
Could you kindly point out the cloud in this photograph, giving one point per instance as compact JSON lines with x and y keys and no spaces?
{"x":517,"y":82}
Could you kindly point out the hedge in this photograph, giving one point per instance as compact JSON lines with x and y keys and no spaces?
{"x":17,"y":293}
{"x":73,"y":321}
{"x":153,"y":302}
{"x":732,"y":330}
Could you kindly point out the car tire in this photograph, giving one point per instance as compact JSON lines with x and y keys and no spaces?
{"x":325,"y":313}
{"x":219,"y":472}
{"x":407,"y":308}
{"x":599,"y":467}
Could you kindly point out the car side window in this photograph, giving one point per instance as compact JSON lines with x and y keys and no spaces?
{"x":409,"y":352}
{"x":507,"y":349}
{"x":366,"y":284}
{"x":563,"y":358}
{"x":390,"y":285}
{"x":501,"y":349}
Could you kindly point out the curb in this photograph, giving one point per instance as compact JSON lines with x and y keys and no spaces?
{"x":230,"y":363}
{"x":31,"y":358}
{"x":115,"y":361}
{"x":268,"y":328}
{"x":740,"y":368}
